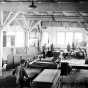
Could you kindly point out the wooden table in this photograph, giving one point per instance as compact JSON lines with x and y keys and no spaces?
{"x":32,"y":73}
{"x":43,"y":65}
{"x":47,"y":59}
{"x":76,"y":63}
{"x":48,"y":78}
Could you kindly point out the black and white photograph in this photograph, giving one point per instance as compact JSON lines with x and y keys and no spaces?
{"x":43,"y":44}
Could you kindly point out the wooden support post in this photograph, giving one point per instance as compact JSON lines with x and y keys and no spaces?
{"x":1,"y":51}
{"x":25,"y":21}
{"x":1,"y":17}
{"x":26,"y":40}
{"x":30,"y":27}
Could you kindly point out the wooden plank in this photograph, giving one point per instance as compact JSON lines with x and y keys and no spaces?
{"x":47,"y":76}
{"x":1,"y":50}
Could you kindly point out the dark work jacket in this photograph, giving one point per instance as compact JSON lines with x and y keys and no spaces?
{"x":20,"y":73}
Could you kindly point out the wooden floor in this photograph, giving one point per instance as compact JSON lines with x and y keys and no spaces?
{"x":76,"y":79}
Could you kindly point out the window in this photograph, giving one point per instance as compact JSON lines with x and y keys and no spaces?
{"x":15,"y":39}
{"x":61,"y":39}
{"x":69,"y":38}
{"x":65,"y":38}
{"x":45,"y":38}
{"x":12,"y":40}
{"x":78,"y":37}
{"x":33,"y":39}
{"x":20,"y":39}
{"x":32,"y":35}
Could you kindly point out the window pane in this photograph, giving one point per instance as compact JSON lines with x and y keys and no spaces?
{"x":61,"y":39}
{"x":12,"y":40}
{"x":19,"y":42}
{"x":32,"y":35}
{"x":69,"y":38}
{"x":78,"y":37}
{"x":44,"y":38}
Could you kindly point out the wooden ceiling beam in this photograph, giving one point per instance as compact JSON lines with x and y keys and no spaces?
{"x":25,"y":21}
{"x":7,"y":18}
{"x":36,"y":25}
{"x":14,"y":17}
{"x":57,"y":18}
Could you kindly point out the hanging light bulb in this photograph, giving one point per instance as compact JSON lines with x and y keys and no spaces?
{"x":33,"y":5}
